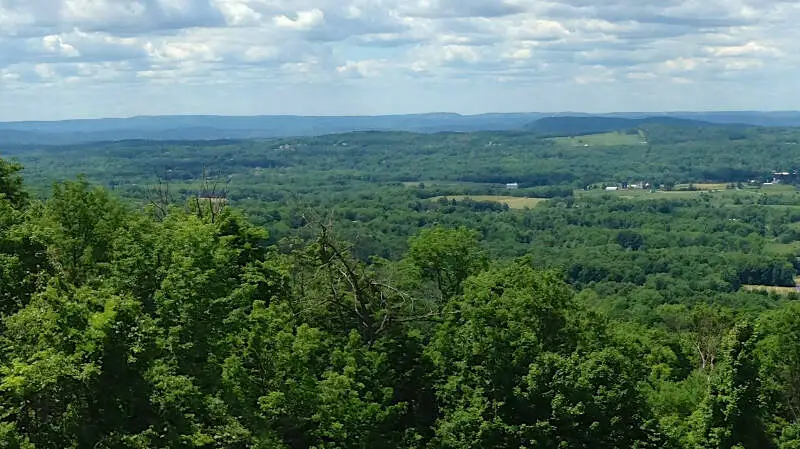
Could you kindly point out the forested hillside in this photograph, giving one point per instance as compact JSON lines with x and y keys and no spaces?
{"x":212,"y":127}
{"x":388,"y":290}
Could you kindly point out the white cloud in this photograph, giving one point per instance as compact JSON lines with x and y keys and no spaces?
{"x":56,"y":44}
{"x":93,"y":11}
{"x":743,"y":64}
{"x":459,"y":8}
{"x":750,"y":48}
{"x":260,"y":53}
{"x":682,"y":64}
{"x":595,"y":75}
{"x":45,"y":71}
{"x":238,"y":12}
{"x":7,"y":76}
{"x":641,"y":76}
{"x":520,"y":53}
{"x":305,"y":20}
{"x":534,"y":29}
{"x":459,"y":53}
{"x":471,"y":54}
{"x":181,"y":51}
{"x":362,"y":69}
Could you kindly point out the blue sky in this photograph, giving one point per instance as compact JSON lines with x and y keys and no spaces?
{"x":95,"y":58}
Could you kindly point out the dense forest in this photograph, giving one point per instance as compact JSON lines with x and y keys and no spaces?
{"x":389,"y":290}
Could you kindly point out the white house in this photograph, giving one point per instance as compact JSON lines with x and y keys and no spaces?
{"x":512,"y":186}
{"x":612,"y":189}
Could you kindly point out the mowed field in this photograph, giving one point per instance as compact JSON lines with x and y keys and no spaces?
{"x":773,"y":289}
{"x":447,"y":184}
{"x":512,"y":201}
{"x":601,"y":140}
{"x":769,"y":289}
{"x":643,"y":194}
{"x":703,"y":186}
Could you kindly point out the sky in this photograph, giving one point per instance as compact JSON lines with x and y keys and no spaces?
{"x":113,"y":58}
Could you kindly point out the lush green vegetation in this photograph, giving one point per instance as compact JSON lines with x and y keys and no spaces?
{"x":382,"y":290}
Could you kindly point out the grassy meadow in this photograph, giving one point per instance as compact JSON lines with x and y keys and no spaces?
{"x":512,"y":201}
{"x":601,"y":140}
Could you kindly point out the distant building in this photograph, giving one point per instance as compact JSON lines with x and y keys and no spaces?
{"x":640,"y":185}
{"x":612,"y":189}
{"x":779,"y":177}
{"x":512,"y":186}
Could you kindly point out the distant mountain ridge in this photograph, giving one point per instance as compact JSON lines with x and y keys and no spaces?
{"x":583,"y":125}
{"x":207,"y":127}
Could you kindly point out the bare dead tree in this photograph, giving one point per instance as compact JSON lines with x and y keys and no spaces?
{"x":351,"y":290}
{"x":211,"y":196}
{"x":159,"y":196}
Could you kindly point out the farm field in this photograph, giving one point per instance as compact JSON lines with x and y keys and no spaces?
{"x":775,"y":188}
{"x":447,"y":184}
{"x":645,"y":194}
{"x":601,"y":140}
{"x":703,"y":186}
{"x":513,"y":202}
{"x":771,"y":288}
{"x":782,"y":248}
{"x":641,"y":194}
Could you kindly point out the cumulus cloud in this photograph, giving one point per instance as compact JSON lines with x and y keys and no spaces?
{"x":363,"y":69}
{"x":304,"y":20}
{"x":57,"y":45}
{"x":555,"y":51}
{"x":460,"y":8}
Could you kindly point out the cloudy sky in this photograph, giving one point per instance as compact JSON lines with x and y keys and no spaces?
{"x":91,"y":58}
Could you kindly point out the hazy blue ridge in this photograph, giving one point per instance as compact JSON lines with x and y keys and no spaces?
{"x":198,"y":127}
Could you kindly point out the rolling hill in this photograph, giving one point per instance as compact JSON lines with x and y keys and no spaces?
{"x":207,"y":127}
{"x":581,"y":126}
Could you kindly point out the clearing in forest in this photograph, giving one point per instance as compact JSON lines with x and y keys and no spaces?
{"x":704,"y":186}
{"x":769,"y":289}
{"x":513,"y":202}
{"x":451,"y":184}
{"x":601,"y":140}
{"x":772,"y":288}
{"x":644,"y":194}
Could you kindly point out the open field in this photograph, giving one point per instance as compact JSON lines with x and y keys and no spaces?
{"x":775,"y":188}
{"x":601,"y":140}
{"x":645,"y":194}
{"x":770,"y":289}
{"x":431,"y":183}
{"x":512,"y":201}
{"x":639,"y":194}
{"x":782,"y":248}
{"x":704,"y":186}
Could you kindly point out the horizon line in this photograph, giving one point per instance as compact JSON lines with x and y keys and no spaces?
{"x":190,"y":115}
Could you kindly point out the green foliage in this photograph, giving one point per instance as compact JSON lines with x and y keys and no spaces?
{"x":780,"y":352}
{"x":513,"y":370}
{"x":80,"y":222}
{"x":733,"y":412}
{"x":591,"y":320}
{"x":10,"y":438}
{"x":11,"y":184}
{"x":446,"y":257}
